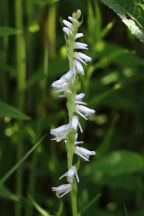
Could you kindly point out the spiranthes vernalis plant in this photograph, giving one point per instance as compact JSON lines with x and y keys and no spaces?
{"x":67,"y":87}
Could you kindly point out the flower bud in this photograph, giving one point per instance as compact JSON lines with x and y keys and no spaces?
{"x":76,"y":14}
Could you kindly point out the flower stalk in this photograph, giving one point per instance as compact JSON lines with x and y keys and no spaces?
{"x":67,"y":86}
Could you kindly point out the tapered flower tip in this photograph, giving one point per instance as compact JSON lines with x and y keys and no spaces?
{"x":76,"y":14}
{"x":81,"y":56}
{"x":84,"y":111}
{"x":67,"y":31}
{"x":67,"y":24}
{"x":80,"y":96}
{"x":84,"y":153}
{"x":75,"y":123}
{"x":62,"y":190}
{"x":70,"y":174}
{"x":79,"y":67}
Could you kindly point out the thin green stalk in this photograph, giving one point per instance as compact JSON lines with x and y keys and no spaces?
{"x":32,"y":177}
{"x":4,"y":54}
{"x":21,"y":82}
{"x":71,"y":108}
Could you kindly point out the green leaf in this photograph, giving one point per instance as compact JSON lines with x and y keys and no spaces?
{"x":9,"y":111}
{"x":5,"y":31}
{"x":117,"y":163}
{"x":131,"y":13}
{"x":5,"y":193}
{"x":19,"y":163}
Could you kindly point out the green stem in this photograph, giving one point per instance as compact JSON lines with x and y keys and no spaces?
{"x":73,"y":203}
{"x":71,"y":138}
{"x":21,"y":82}
{"x":4,"y":55}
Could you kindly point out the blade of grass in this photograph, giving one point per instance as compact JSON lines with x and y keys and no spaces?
{"x":19,"y":163}
{"x":38,"y":207}
{"x":89,"y":204}
{"x":59,"y":212}
{"x":5,"y":193}
{"x":125,"y":211}
{"x":21,"y":83}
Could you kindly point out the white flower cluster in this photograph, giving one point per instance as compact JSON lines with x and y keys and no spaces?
{"x":64,"y":85}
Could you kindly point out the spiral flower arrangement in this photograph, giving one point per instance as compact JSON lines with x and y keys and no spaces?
{"x":67,"y":87}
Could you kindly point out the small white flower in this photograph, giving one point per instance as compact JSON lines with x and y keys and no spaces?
{"x":67,"y":31}
{"x":79,"y":45}
{"x":84,"y":111}
{"x":63,"y":83}
{"x":82,"y":57}
{"x":79,"y":98}
{"x":68,"y":24}
{"x":75,"y":123}
{"x":70,"y":174}
{"x":79,"y":35}
{"x":73,"y":19}
{"x":62,"y":190}
{"x":61,"y":132}
{"x":79,"y":67}
{"x":84,"y":153}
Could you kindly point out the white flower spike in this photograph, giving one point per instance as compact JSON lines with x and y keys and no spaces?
{"x":62,"y":190}
{"x":84,"y":153}
{"x":70,"y":174}
{"x":67,"y":85}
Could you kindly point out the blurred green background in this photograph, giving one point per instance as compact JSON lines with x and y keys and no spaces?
{"x":32,"y":56}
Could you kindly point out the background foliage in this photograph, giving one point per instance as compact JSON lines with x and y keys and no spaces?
{"x":32,"y":56}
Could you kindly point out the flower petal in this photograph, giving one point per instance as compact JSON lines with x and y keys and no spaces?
{"x":67,"y":24}
{"x":79,"y":67}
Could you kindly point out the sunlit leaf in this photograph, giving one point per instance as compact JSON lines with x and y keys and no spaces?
{"x":131,"y":13}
